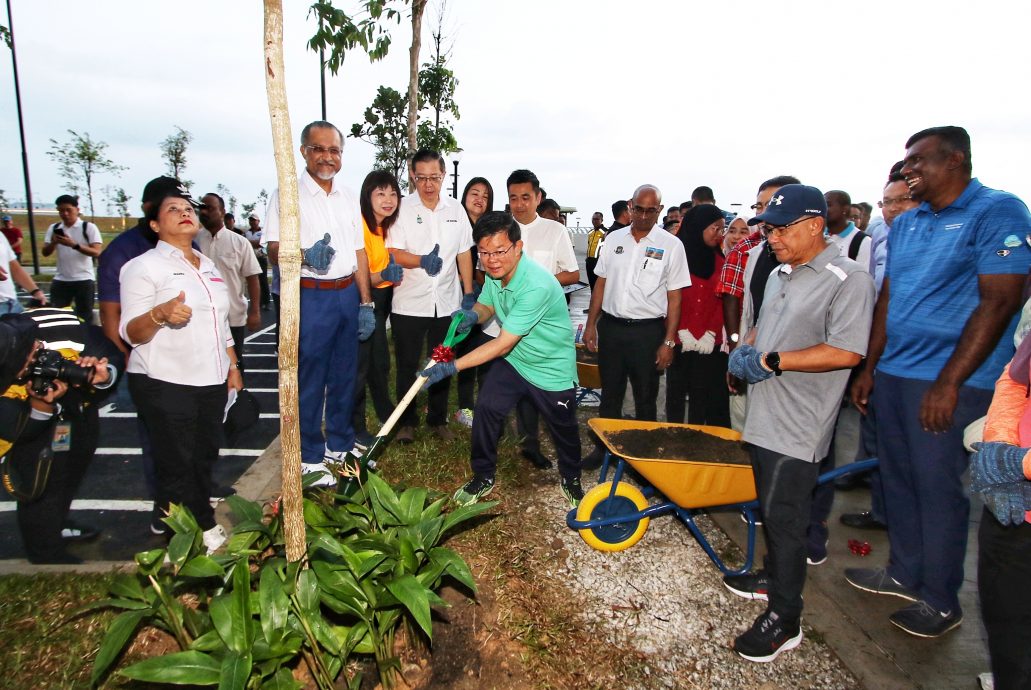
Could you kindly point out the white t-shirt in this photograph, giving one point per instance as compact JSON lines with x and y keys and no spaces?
{"x":638,"y":274}
{"x":844,"y":241}
{"x":193,"y":354}
{"x":7,"y":292}
{"x":235,"y":259}
{"x":71,"y":263}
{"x":336,"y":213}
{"x":416,"y":230}
{"x":251,"y":236}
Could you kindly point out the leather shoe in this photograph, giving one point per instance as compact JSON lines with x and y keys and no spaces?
{"x":75,"y":532}
{"x":405,"y":434}
{"x":864,"y":520}
{"x":443,"y":433}
{"x":594,"y":460}
{"x":536,"y":459}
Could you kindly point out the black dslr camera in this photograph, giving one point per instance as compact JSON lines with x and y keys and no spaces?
{"x":50,"y":365}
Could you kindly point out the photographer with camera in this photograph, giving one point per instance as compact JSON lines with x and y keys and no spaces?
{"x":49,"y":422}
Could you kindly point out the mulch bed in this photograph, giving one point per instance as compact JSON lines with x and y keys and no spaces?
{"x":677,"y":443}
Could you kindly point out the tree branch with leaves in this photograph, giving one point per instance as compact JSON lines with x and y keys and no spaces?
{"x":79,"y":160}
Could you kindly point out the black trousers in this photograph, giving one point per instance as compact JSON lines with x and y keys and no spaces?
{"x":702,"y":378}
{"x":410,"y":334}
{"x":1003,"y":574}
{"x":374,"y":365}
{"x":785,"y":489}
{"x":81,"y":292}
{"x":263,"y":281}
{"x":239,"y":333}
{"x":501,"y":391}
{"x":470,"y":379}
{"x":589,"y":264}
{"x":626,"y":351}
{"x":40,"y":521}
{"x":185,"y":428}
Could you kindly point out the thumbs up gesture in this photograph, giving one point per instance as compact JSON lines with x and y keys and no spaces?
{"x":432,"y":263}
{"x":393,"y":272}
{"x":174,"y":312}
{"x":320,"y":254}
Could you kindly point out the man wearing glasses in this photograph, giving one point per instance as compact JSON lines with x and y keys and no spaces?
{"x":336,"y":299}
{"x":635,"y":310}
{"x":431,"y":240}
{"x":812,"y":329}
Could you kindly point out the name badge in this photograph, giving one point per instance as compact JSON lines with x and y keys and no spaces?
{"x":62,"y":438}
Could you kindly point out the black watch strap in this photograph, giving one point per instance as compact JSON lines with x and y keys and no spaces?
{"x":773,"y":362}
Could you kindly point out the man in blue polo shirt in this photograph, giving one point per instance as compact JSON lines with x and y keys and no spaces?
{"x":535,"y":353}
{"x":942,"y":333}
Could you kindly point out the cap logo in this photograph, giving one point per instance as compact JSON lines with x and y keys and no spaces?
{"x":183,"y":189}
{"x":777,"y":199}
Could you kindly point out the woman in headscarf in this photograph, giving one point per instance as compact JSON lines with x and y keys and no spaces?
{"x":735,"y":232}
{"x":699,"y":368}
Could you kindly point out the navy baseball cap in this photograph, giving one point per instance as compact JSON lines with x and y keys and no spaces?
{"x":791,"y":202}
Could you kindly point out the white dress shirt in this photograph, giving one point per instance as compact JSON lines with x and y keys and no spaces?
{"x":193,"y":354}
{"x":71,"y":263}
{"x":234,"y":257}
{"x":416,"y":230}
{"x":336,"y":213}
{"x":638,"y":274}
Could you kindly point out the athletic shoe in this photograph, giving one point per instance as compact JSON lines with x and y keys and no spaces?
{"x":220,"y":491}
{"x":214,"y":538}
{"x":363,"y":439}
{"x":878,"y":581}
{"x":768,"y":637}
{"x":464,"y":417}
{"x":986,"y":681}
{"x":572,"y":490}
{"x":76,"y":532}
{"x":816,"y":553}
{"x":475,"y":489}
{"x":923,"y":620}
{"x":327,"y":478}
{"x":405,"y":434}
{"x":864,"y":520}
{"x":443,"y":433}
{"x":590,"y":397}
{"x":753,"y":585}
{"x":536,"y":459}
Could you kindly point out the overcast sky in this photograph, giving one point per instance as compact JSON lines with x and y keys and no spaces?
{"x":595,"y":97}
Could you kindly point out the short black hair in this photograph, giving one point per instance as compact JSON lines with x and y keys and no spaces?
{"x":67,"y":199}
{"x":897,"y":168}
{"x":228,"y":216}
{"x":843,"y":197}
{"x":619,"y":208}
{"x":867,"y":208}
{"x":953,"y":138}
{"x":703,"y":193}
{"x":319,"y":124}
{"x":425,"y":155}
{"x":895,"y":177}
{"x":493,"y":222}
{"x":685,"y":205}
{"x":548,"y":204}
{"x":779,"y":181}
{"x":221,"y":201}
{"x":522,"y":177}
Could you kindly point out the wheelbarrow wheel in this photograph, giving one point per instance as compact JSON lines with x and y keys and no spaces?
{"x":598,"y":505}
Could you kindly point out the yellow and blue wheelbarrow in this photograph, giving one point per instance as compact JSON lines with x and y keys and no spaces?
{"x":615,"y":514}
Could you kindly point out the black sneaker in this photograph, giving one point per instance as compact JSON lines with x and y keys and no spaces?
{"x":536,"y":459}
{"x":878,"y":581}
{"x":753,"y":585}
{"x":864,"y":520}
{"x":72,"y":531}
{"x":219,"y":491}
{"x":475,"y":489}
{"x":572,"y":490}
{"x":923,"y":620}
{"x":768,"y":637}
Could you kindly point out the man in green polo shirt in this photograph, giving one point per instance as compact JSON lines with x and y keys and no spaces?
{"x":536,"y":356}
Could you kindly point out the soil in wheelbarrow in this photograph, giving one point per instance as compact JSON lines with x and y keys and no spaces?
{"x":678,"y":443}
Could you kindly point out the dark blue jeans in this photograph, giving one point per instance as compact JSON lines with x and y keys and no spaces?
{"x":1003,"y":573}
{"x":926,"y":506}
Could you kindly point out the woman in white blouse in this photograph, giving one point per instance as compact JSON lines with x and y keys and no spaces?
{"x":175,"y":314}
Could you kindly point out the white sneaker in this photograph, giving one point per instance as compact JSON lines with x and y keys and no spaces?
{"x":214,"y":538}
{"x":327,"y":478}
{"x":987,"y":681}
{"x":464,"y":417}
{"x":590,"y":399}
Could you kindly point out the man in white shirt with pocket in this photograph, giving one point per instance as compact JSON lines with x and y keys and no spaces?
{"x":77,"y":243}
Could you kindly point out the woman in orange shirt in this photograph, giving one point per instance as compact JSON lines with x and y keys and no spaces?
{"x":380,"y":200}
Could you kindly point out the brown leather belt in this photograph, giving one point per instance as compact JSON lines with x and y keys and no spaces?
{"x":336,"y":284}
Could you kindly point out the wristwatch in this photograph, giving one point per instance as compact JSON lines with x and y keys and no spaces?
{"x":671,"y":344}
{"x":734,"y":337}
{"x":772,"y":360}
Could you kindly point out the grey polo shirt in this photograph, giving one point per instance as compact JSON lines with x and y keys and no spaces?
{"x":828,"y":300}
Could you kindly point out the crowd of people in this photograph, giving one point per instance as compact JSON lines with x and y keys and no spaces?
{"x":768,"y":324}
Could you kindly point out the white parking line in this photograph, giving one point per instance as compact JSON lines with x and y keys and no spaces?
{"x":236,"y":452}
{"x":93,"y":504}
{"x":132,"y":415}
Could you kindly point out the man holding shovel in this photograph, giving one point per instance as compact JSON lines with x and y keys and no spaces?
{"x":535,"y":352}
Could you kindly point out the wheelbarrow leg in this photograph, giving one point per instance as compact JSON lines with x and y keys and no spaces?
{"x":686,"y":515}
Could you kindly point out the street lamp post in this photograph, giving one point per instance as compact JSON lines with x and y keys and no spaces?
{"x":456,"y":157}
{"x":24,"y":155}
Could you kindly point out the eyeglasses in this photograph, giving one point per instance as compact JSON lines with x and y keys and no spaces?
{"x":646,"y":210}
{"x":894,"y":201}
{"x":779,"y":230}
{"x":322,"y":150}
{"x":423,"y":179}
{"x":179,"y":210}
{"x":484,"y":256}
{"x":757,"y":207}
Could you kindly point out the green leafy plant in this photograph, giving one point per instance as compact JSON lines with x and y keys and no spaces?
{"x":247,"y":618}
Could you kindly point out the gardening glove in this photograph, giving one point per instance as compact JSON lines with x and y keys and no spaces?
{"x":431,"y":263}
{"x":468,"y":300}
{"x":1008,"y":502}
{"x":706,"y":343}
{"x":469,"y":319}
{"x":996,"y":463}
{"x":320,"y":254}
{"x":688,"y":343}
{"x":438,"y":372}
{"x":746,"y":364}
{"x":366,"y":321}
{"x":393,"y":272}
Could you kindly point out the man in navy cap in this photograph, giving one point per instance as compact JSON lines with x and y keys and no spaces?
{"x":812,"y":329}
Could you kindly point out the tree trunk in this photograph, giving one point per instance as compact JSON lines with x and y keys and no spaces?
{"x":290,"y":280}
{"x":413,"y":75}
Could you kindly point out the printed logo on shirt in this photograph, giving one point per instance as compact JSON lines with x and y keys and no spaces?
{"x":1011,"y":241}
{"x":418,"y":219}
{"x":619,"y":249}
{"x":654,"y":253}
{"x":176,"y":273}
{"x":451,"y":220}
{"x":1003,"y":253}
{"x":953,"y":226}
{"x":216,"y":280}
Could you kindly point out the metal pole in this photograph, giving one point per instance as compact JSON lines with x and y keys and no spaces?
{"x":454,"y":190}
{"x":24,"y":155}
{"x":322,"y":73}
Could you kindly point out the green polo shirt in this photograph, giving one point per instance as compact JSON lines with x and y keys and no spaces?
{"x":533,"y":307}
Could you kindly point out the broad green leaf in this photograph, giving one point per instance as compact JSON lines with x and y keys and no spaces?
{"x":222,"y":618}
{"x":283,"y":649}
{"x":241,"y":541}
{"x":465,"y":513}
{"x":281,"y":680}
{"x":147,"y":559}
{"x":127,"y":586}
{"x":201,"y":566}
{"x":434,"y":509}
{"x":197,"y":620}
{"x":384,"y":501}
{"x":412,"y":594}
{"x":236,"y":670}
{"x":359,"y":640}
{"x":179,"y":548}
{"x":412,"y":502}
{"x":243,"y":634}
{"x":128,"y":604}
{"x":430,"y":530}
{"x":208,"y":642}
{"x":180,"y":668}
{"x":314,"y":515}
{"x":246,"y":511}
{"x":308,"y":593}
{"x":407,"y":552}
{"x":118,"y":634}
{"x":181,"y":520}
{"x":455,"y":566}
{"x":274,"y":604}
